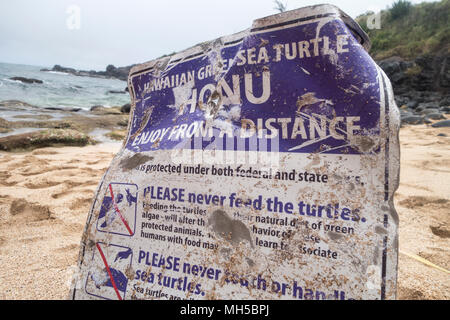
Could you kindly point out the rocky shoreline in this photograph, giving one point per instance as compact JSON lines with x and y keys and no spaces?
{"x":111,"y":72}
{"x":58,"y":126}
{"x":421,"y":88}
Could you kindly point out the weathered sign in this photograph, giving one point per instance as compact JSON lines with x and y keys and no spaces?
{"x":260,"y":165}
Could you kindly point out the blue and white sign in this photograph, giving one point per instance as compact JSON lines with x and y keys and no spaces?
{"x":260,"y":165}
{"x":107,"y":277}
{"x":118,"y":210}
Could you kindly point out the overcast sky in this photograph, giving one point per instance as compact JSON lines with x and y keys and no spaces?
{"x":123,"y":32}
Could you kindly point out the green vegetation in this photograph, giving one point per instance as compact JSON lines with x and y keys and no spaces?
{"x":118,"y":135}
{"x":410,"y":30}
{"x":413,"y":71}
{"x":399,"y":9}
{"x":280,"y":6}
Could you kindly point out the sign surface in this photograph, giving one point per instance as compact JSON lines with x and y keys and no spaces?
{"x":260,"y":165}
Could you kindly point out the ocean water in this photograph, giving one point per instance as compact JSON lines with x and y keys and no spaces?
{"x":59,"y":89}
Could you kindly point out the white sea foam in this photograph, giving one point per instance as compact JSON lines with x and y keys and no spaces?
{"x":58,"y":72}
{"x":58,"y":91}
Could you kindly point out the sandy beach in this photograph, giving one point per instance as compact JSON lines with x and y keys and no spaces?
{"x":423,"y":204}
{"x":45,"y":196}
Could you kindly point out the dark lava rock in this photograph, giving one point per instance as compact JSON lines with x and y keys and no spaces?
{"x":58,"y":68}
{"x":406,"y":114}
{"x":110,"y":72}
{"x":101,"y":110}
{"x":119,"y":73}
{"x":413,"y":120}
{"x":445,"y":101}
{"x":426,"y":79}
{"x":405,"y":111}
{"x":401,"y":100}
{"x":412,"y":104}
{"x":428,"y":105}
{"x":418,"y":110}
{"x":432,"y":97}
{"x":435,"y":116}
{"x":97,"y":108}
{"x":441,"y":124}
{"x":110,"y":68}
{"x":15,"y":103}
{"x":429,"y":111}
{"x":116,"y":92}
{"x":434,"y":73}
{"x":126,"y":108}
{"x":63,"y":109}
{"x":44,"y":138}
{"x":394,"y":65}
{"x":27,"y":80}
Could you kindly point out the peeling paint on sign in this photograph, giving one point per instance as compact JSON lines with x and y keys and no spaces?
{"x":260,"y":165}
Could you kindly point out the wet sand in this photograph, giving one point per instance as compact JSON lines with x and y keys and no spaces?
{"x":45,"y":196}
